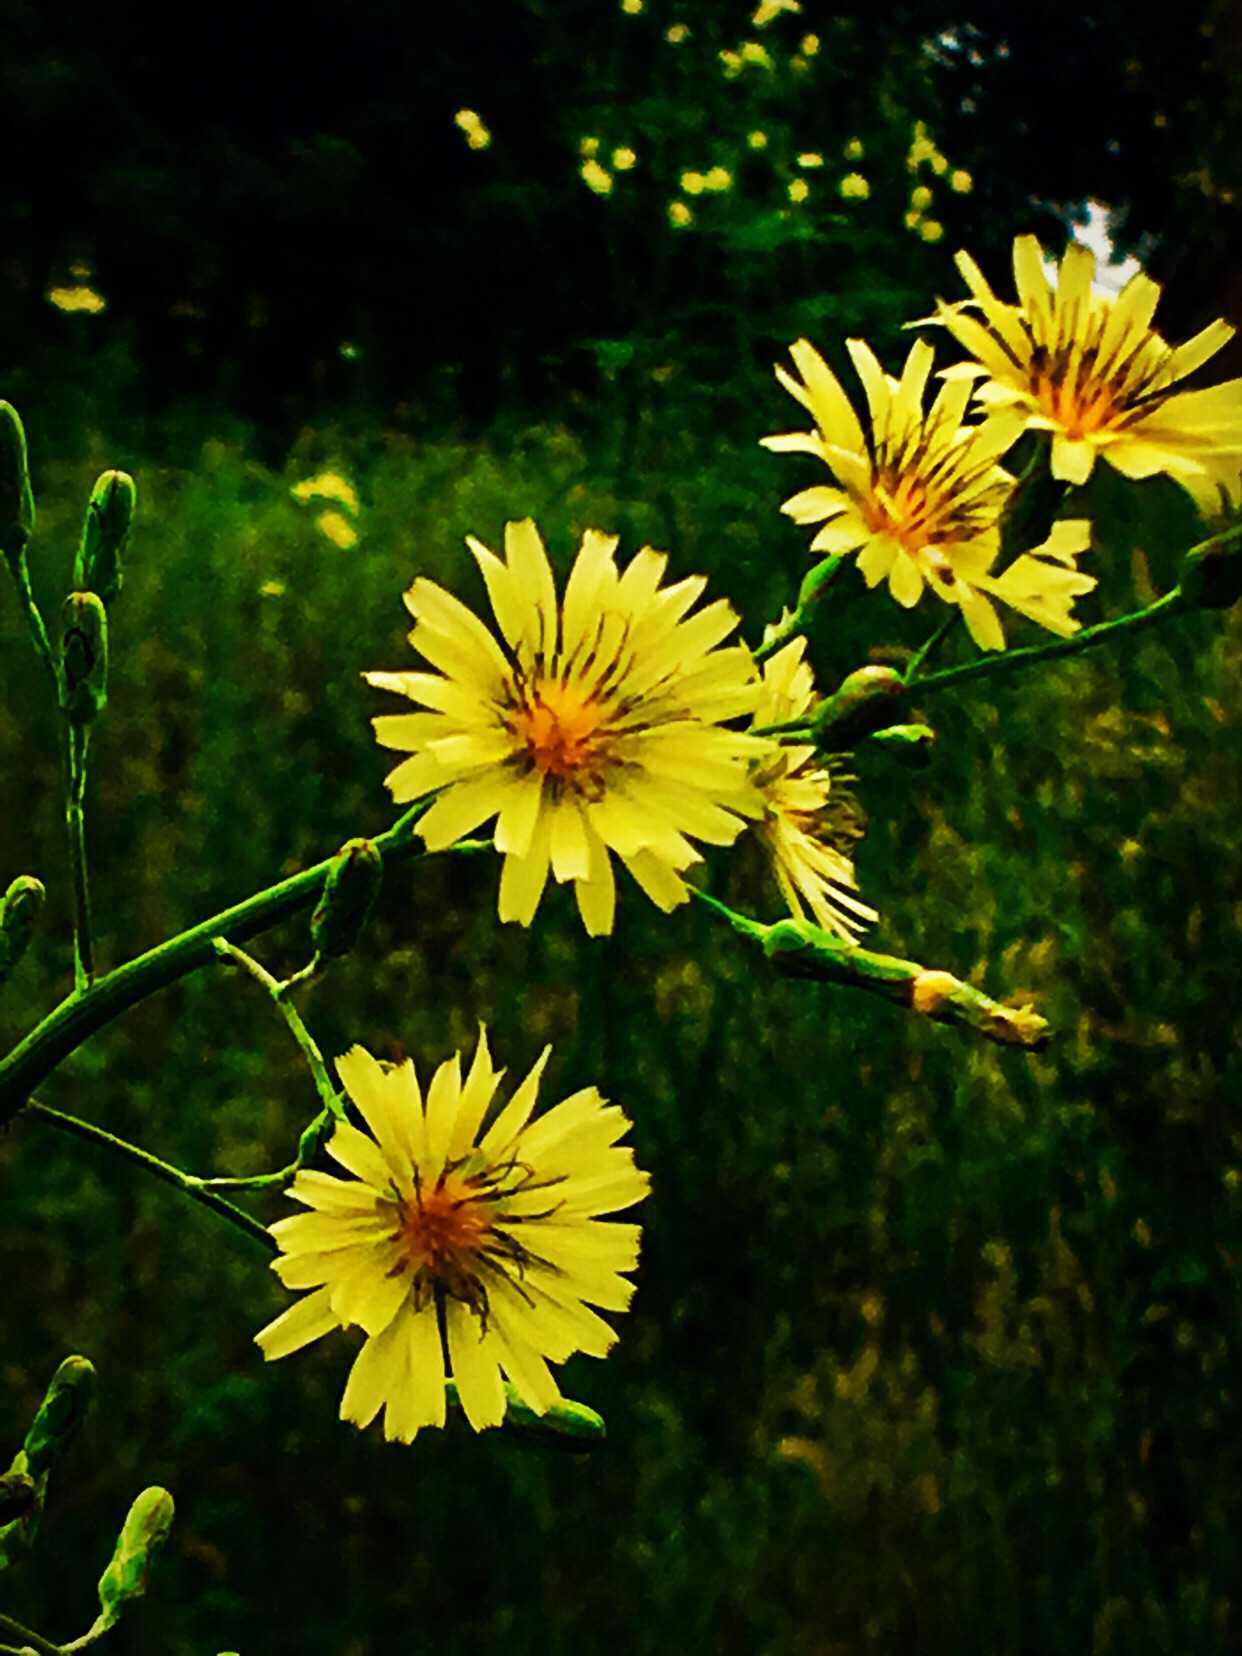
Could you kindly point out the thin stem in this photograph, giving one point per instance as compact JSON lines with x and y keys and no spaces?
{"x":328,"y":1095}
{"x":929,"y":646}
{"x":1012,"y":661}
{"x":29,"y":1640}
{"x":811,"y":591}
{"x":34,"y":618}
{"x":71,"y":1023}
{"x":184,"y":1182}
{"x":76,"y":743}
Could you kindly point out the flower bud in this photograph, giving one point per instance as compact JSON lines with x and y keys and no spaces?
{"x":144,"y":1532}
{"x":19,"y":910}
{"x":60,"y":1415}
{"x":1212,"y":576}
{"x":105,"y":532}
{"x":865,"y":702}
{"x":17,"y":509}
{"x":84,"y":657}
{"x":909,"y":744}
{"x":349,"y":894}
{"x":17,"y":1495}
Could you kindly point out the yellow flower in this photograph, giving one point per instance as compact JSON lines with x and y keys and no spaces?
{"x":920,"y":197}
{"x":595,"y":727}
{"x":718,"y":179}
{"x":854,"y":187}
{"x":477,"y":135}
{"x":921,"y":495}
{"x":327,"y":485}
{"x":757,"y":140}
{"x":693,"y":183}
{"x":596,"y":178}
{"x":799,"y":190}
{"x":456,"y":1251}
{"x":677,"y":34}
{"x":338,"y":529}
{"x":810,"y":158}
{"x":961,"y":181}
{"x":810,"y":45}
{"x":810,"y":819}
{"x":680,"y":214}
{"x":77,"y":298}
{"x":1088,"y":367}
{"x":931,"y":230}
{"x":853,"y":151}
{"x":624,"y":158}
{"x":770,"y":9}
{"x":588,"y":146}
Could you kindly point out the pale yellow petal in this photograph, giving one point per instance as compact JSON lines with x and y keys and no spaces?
{"x":516,"y":1113}
{"x":306,"y":1320}
{"x":459,"y":810}
{"x":522,"y":879}
{"x":475,"y":1368}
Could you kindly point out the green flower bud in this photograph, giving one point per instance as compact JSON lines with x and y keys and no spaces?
{"x":19,"y":910}
{"x":17,"y":1495}
{"x":17,"y":509}
{"x":105,"y":533}
{"x":565,"y":1420}
{"x":1212,"y":576}
{"x":866,"y":701}
{"x":144,"y":1532}
{"x":816,"y":583}
{"x":349,"y":894}
{"x":908,"y":744}
{"x":60,"y":1415}
{"x":84,"y":657}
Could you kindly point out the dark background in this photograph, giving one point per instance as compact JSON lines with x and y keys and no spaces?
{"x":935,"y":1347}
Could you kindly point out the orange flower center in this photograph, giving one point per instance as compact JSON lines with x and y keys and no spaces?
{"x":1079,"y":402}
{"x":444,"y":1229}
{"x":900,"y":507}
{"x":561,"y":729}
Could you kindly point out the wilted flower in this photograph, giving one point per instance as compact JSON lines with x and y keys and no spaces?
{"x":594,"y":726}
{"x":455,"y":1249}
{"x":1087,"y":366}
{"x":921,"y":495}
{"x":810,"y":818}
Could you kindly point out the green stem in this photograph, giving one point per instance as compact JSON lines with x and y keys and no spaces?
{"x":929,"y":646}
{"x":1012,"y":661}
{"x":328,"y":1095}
{"x":77,"y":741}
{"x":184,"y":1182}
{"x":76,"y":1019}
{"x":802,"y":950}
{"x":34,"y":618}
{"x":811,"y":591}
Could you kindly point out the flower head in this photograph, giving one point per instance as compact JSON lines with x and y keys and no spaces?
{"x":810,"y":819}
{"x":592,"y":725}
{"x":920,"y":494}
{"x":1087,"y":366}
{"x":456,"y":1249}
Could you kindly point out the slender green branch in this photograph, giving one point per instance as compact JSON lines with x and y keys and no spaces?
{"x":28,"y":1640}
{"x":929,"y":646}
{"x":184,"y":1182}
{"x":76,"y":744}
{"x":76,"y":1019}
{"x":34,"y":617}
{"x":803,"y":950}
{"x":1012,"y":661}
{"x":811,"y":591}
{"x":328,"y":1094}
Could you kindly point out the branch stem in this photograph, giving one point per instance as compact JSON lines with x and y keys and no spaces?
{"x":76,"y":743}
{"x":34,"y":616}
{"x":184,"y":1182}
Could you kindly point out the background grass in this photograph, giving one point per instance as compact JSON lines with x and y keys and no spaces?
{"x":935,"y":1346}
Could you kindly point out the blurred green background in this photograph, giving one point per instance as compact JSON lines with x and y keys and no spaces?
{"x":936,"y":1346}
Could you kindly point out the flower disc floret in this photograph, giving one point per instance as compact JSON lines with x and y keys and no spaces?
{"x":457,"y":1246}
{"x":592,"y":725}
{"x":919,"y":494}
{"x":1087,"y":366}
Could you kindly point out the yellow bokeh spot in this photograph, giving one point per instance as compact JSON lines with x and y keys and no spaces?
{"x":854,"y":151}
{"x":693,"y":183}
{"x":938,"y":164}
{"x":623,"y":159}
{"x":753,"y":52}
{"x":920,"y":197}
{"x":678,"y":33}
{"x":680,"y":214}
{"x":273,"y":589}
{"x":477,"y":135}
{"x":757,"y":140}
{"x":588,"y":146}
{"x":961,"y":181}
{"x":596,"y":178}
{"x":810,"y":45}
{"x":913,"y":219}
{"x":327,"y":485}
{"x":854,"y":187}
{"x":731,"y":63}
{"x":769,"y":10}
{"x":931,"y":230}
{"x":799,"y":189}
{"x":631,"y":8}
{"x":810,"y":158}
{"x":79,"y":298}
{"x":717,"y":179}
{"x":337,"y":527}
